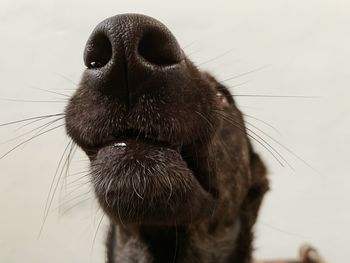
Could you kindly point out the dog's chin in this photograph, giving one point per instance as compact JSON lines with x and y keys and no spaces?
{"x":140,"y":182}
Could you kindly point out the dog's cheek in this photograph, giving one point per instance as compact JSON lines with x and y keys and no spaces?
{"x":260,"y":185}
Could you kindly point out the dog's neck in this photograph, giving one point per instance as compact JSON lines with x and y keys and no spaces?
{"x":153,"y":244}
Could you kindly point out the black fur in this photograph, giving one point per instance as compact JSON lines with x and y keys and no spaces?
{"x":171,"y":163}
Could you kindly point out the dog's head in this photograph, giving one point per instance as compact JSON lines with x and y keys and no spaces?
{"x":166,"y":143}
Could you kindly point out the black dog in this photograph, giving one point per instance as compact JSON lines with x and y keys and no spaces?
{"x":171,"y":163}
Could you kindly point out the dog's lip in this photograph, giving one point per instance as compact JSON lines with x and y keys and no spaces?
{"x":122,"y":140}
{"x":125,"y":168}
{"x":119,"y":140}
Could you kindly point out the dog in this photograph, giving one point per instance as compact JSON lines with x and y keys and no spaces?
{"x":171,"y":162}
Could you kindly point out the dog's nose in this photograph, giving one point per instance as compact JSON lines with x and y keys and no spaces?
{"x":128,"y":54}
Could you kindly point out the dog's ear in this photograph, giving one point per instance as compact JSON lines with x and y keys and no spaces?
{"x":258,"y":188}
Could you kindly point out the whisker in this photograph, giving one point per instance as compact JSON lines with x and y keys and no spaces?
{"x":134,"y":187}
{"x":276,"y":96}
{"x":215,"y":58}
{"x":206,"y":119}
{"x":93,"y":241}
{"x":78,"y":183}
{"x":245,"y":73}
{"x":77,"y":173}
{"x":171,"y":188}
{"x":263,"y":142}
{"x":61,"y":169}
{"x":40,"y":128}
{"x":70,"y":156}
{"x":262,"y":121}
{"x":238,"y":84}
{"x":44,"y":127}
{"x":72,"y":199}
{"x":33,"y":137}
{"x":193,"y":52}
{"x":52,"y":92}
{"x":188,"y":45}
{"x":65,"y":169}
{"x":30,"y":101}
{"x":285,"y":147}
{"x":31,"y":118}
{"x":52,"y":190}
{"x":118,"y":211}
{"x":68,"y":79}
{"x":86,"y":174}
{"x":282,"y":230}
{"x":76,"y":188}
{"x":29,"y":123}
{"x":65,"y":211}
{"x":210,"y":152}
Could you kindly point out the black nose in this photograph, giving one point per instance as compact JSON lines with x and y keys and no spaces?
{"x":128,"y":53}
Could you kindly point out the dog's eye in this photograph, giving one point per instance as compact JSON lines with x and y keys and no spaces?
{"x":95,"y":64}
{"x":222,"y":98}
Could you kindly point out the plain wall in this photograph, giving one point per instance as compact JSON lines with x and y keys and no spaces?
{"x":292,"y":47}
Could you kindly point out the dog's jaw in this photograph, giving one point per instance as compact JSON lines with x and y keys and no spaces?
{"x":224,"y":237}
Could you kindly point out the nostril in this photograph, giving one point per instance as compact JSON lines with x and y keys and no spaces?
{"x":98,"y":51}
{"x":160,"y":49}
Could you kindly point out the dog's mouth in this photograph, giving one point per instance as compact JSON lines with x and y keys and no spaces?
{"x":139,"y":179}
{"x":118,"y":140}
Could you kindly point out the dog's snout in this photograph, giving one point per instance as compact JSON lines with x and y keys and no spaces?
{"x":126,"y":52}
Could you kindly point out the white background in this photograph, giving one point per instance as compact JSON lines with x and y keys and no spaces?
{"x":301,"y":48}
